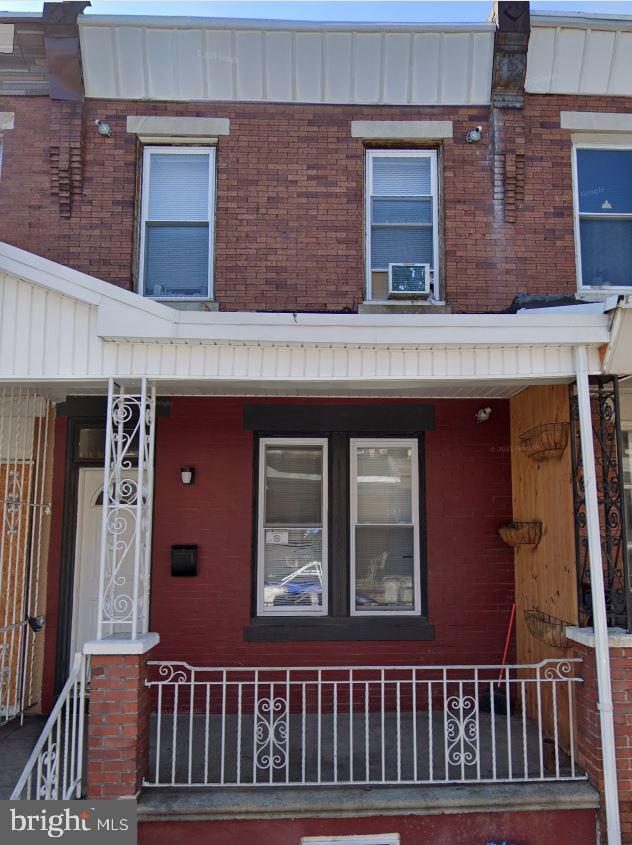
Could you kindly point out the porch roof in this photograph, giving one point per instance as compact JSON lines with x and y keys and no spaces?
{"x":62,"y":327}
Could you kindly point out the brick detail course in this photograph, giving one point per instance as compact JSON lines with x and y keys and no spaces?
{"x":118,"y":726}
{"x":589,"y":733}
{"x":290,"y":199}
{"x":66,"y":160}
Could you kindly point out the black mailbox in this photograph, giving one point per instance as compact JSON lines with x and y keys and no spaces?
{"x":184,"y":560}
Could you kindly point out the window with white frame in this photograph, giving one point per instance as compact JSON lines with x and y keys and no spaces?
{"x":401,"y":216}
{"x":292,"y":562}
{"x":366,"y":517}
{"x":603,"y":216}
{"x":177,"y":222}
{"x":384,"y":526}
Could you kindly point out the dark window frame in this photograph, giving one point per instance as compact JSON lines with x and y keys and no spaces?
{"x":338,"y":624}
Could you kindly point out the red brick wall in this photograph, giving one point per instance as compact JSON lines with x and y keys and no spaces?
{"x":470,"y":570}
{"x":118,"y":726}
{"x":290,"y":200}
{"x":529,"y":828}
{"x":589,"y":732}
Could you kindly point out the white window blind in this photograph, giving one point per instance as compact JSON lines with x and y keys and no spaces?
{"x":401,"y":208}
{"x":177,"y":237}
{"x":604,"y":216}
{"x":292,"y":543}
{"x":384,"y":527}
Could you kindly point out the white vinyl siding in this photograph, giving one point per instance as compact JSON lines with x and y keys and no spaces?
{"x":401,"y":211}
{"x":178,"y":199}
{"x":292,"y":527}
{"x":385,"y":549}
{"x":603,"y":216}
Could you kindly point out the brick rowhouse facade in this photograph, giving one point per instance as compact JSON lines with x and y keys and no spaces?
{"x":290,"y":198}
{"x":289,"y":236}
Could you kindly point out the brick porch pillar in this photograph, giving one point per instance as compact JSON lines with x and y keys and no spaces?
{"x":117,"y":752}
{"x":588,"y":733}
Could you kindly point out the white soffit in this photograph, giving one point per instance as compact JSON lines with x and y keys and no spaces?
{"x":7,"y":31}
{"x":185,"y":59}
{"x":580,"y":55}
{"x":62,"y":326}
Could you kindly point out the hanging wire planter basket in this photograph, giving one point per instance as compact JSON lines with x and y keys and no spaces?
{"x":548,"y":629}
{"x":545,"y":441}
{"x":521,"y":533}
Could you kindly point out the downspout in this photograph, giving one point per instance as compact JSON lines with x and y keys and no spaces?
{"x":602,"y":654}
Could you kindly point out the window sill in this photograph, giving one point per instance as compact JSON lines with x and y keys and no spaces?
{"x":403,"y":306}
{"x":282,"y":629}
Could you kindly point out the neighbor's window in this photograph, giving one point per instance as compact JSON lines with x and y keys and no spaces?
{"x":384,"y":526}
{"x":604,"y":216}
{"x":177,"y":222}
{"x":292,"y":575}
{"x":401,"y":215}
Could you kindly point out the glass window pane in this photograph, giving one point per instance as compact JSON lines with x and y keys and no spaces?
{"x":605,"y":181}
{"x":293,"y":485}
{"x":405,"y":176}
{"x":384,"y":484}
{"x":178,"y":187}
{"x":176,"y":260}
{"x":402,"y":211}
{"x":384,"y":530}
{"x":606,"y":252}
{"x":91,"y":446}
{"x":293,"y":533}
{"x":293,"y":576}
{"x":384,"y":568}
{"x":392,"y":244}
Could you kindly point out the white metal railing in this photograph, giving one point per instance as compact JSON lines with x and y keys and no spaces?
{"x":127,"y":512}
{"x":362,"y":724}
{"x":55,"y":768}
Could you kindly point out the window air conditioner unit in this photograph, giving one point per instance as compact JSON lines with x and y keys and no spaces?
{"x":409,"y":280}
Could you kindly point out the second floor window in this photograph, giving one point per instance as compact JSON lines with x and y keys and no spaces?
{"x":401,"y":224}
{"x":178,"y":200}
{"x":603,"y":217}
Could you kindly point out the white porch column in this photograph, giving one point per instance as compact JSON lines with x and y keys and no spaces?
{"x":128,"y":480}
{"x":602,"y":654}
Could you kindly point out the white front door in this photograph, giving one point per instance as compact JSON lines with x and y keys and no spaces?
{"x":87,"y":556}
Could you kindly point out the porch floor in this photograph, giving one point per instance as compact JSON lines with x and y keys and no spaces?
{"x":16,"y":743}
{"x":390,"y":751}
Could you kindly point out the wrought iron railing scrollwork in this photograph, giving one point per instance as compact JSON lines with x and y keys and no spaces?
{"x":257,"y":726}
{"x":609,"y":473}
{"x":127,"y":512}
{"x":54,"y":771}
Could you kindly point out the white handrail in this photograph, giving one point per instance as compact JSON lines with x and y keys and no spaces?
{"x":54,"y":769}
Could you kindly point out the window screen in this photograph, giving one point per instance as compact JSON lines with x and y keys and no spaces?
{"x":177,"y":222}
{"x":401,"y":208}
{"x":604,"y":202}
{"x":292,"y":548}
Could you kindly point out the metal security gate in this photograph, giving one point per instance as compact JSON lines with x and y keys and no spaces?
{"x":25,"y":422}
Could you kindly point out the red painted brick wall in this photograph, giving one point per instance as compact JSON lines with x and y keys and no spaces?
{"x":589,"y":731}
{"x":530,"y":828}
{"x":201,"y":619}
{"x":290,"y":200}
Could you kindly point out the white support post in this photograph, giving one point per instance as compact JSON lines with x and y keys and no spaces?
{"x":127,"y":513}
{"x":602,"y":654}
